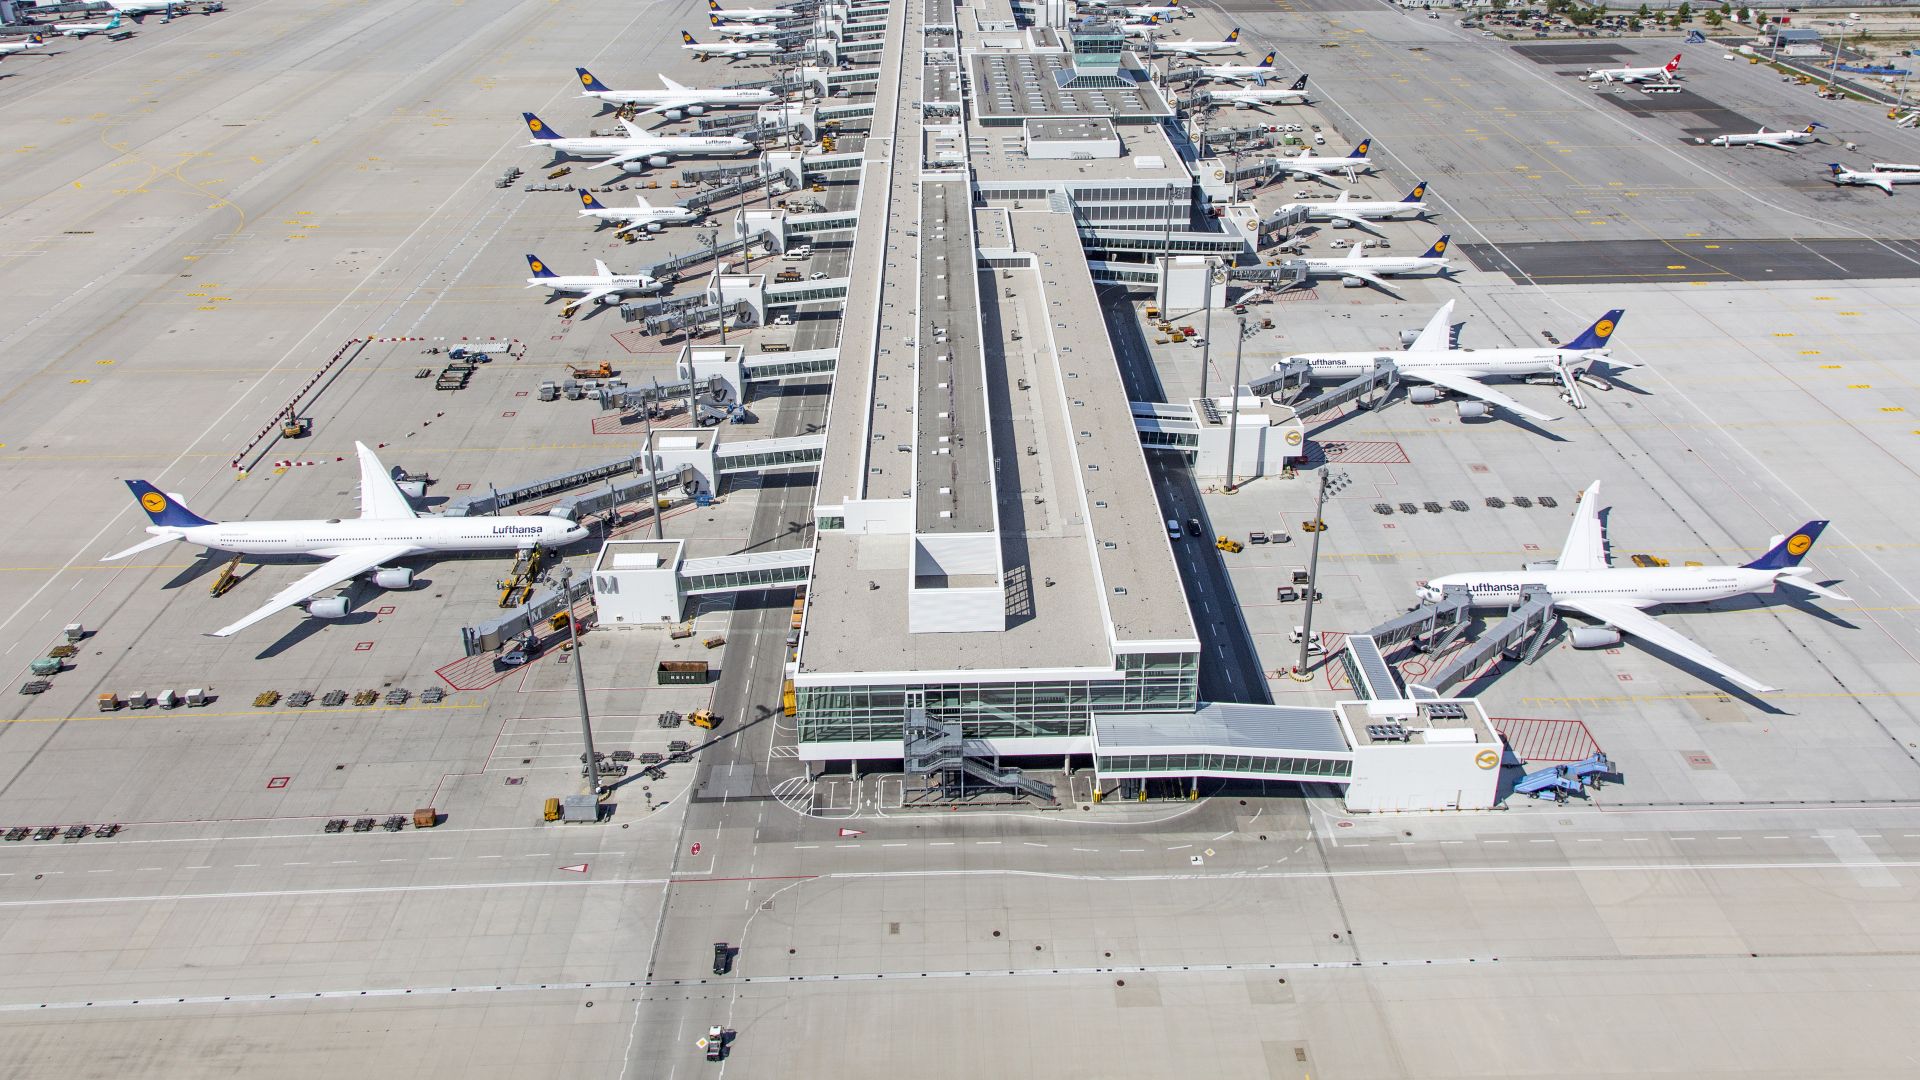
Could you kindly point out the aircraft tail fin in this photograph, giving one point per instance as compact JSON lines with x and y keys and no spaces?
{"x":588,"y":201}
{"x":539,"y":129}
{"x":1673,"y":65}
{"x":1362,"y":148}
{"x":1439,"y":248}
{"x":587,"y":80}
{"x":164,"y":509}
{"x":1299,"y":83}
{"x":713,"y":19}
{"x":1234,"y":34}
{"x":601,"y":269}
{"x":1419,"y":192}
{"x":1787,"y":551}
{"x":1267,"y":60}
{"x":1595,"y":336}
{"x":539,"y":268}
{"x":1811,"y":127}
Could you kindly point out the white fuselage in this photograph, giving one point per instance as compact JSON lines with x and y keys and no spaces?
{"x":1387,"y":267}
{"x":333,"y":536}
{"x":1765,"y":138}
{"x":145,"y":7}
{"x":743,"y":31}
{"x":1472,"y":363}
{"x":1239,"y":72}
{"x":641,"y":215}
{"x":711,"y":99}
{"x":582,"y":284}
{"x":1877,"y":178}
{"x":1309,"y":165}
{"x":1253,"y":95}
{"x":1638,"y":586}
{"x":1197,"y":48}
{"x":1368,"y":210}
{"x":1645,"y":74}
{"x":607,"y":146}
{"x":12,"y":47}
{"x":734,"y":50}
{"x":81,"y":29}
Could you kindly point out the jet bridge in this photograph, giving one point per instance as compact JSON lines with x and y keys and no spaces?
{"x":635,"y":397}
{"x":703,"y":253}
{"x":1284,"y":275}
{"x":1528,"y":624}
{"x":738,"y":312}
{"x":1382,"y":380}
{"x":541,"y":605}
{"x":1432,"y":626}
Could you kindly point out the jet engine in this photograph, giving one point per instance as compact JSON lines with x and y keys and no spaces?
{"x":1474,"y":410}
{"x":696,"y":110}
{"x":1423,"y":395}
{"x":654,"y":226}
{"x":331,"y":607}
{"x":1593,"y":637}
{"x":398,"y":577}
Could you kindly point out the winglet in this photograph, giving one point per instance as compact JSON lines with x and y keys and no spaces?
{"x":1791,"y":549}
{"x":164,"y":509}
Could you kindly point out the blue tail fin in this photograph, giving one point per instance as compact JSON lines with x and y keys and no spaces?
{"x":713,"y":20}
{"x":587,"y":80}
{"x":687,"y":39}
{"x":1791,"y":550}
{"x":1835,"y":167}
{"x":163,"y":509}
{"x":1595,"y":336}
{"x":1234,"y":35}
{"x":1439,"y":248}
{"x":539,"y":128}
{"x":1266,"y":61}
{"x":588,"y":201}
{"x":1362,"y":148}
{"x":1419,"y":192}
{"x":539,"y":268}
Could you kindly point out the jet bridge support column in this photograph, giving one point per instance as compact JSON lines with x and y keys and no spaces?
{"x":1532,"y":622}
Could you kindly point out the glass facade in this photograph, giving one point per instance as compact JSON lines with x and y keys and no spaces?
{"x":773,"y":577}
{"x":1196,"y":764}
{"x":1149,"y":682}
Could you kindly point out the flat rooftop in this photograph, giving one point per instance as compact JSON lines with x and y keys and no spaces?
{"x":1009,"y":85}
{"x":999,"y":155}
{"x":1277,"y":728}
{"x":954,"y":452}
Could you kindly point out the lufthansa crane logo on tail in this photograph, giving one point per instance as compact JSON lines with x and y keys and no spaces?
{"x":1419,"y":190}
{"x":586,"y":198}
{"x":586,"y":79}
{"x":1603,"y":329}
{"x":156,"y":503}
{"x":1797,"y":544}
{"x":536,"y":125}
{"x":1440,"y":246}
{"x":537,"y":266}
{"x":1364,"y":147}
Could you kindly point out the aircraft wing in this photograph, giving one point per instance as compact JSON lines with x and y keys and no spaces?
{"x":675,"y":103}
{"x":380,"y":497}
{"x":1473,"y":388}
{"x":590,"y":296}
{"x":148,"y":544}
{"x":1355,"y":220}
{"x":1437,"y":334}
{"x":622,"y":159}
{"x":340,"y":568}
{"x":1636,"y":623}
{"x":1586,"y":546}
{"x":1883,"y":184}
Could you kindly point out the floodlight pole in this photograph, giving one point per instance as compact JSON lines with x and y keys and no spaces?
{"x":592,"y":771}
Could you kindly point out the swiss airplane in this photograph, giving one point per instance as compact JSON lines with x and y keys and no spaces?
{"x":603,"y":285}
{"x":1373,"y":271}
{"x":645,"y":216}
{"x":1585,"y":582}
{"x":1772,"y":140}
{"x":387,"y":529}
{"x":730,"y":50}
{"x":1880,"y":176}
{"x":1431,"y":359}
{"x":1363,"y":212}
{"x":1248,"y":97}
{"x":677,"y":99}
{"x":1635,"y":74}
{"x":1190,"y":47}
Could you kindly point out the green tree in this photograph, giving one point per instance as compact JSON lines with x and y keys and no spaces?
{"x":1684,"y":13}
{"x":1714,"y":20}
{"x":1644,"y":13}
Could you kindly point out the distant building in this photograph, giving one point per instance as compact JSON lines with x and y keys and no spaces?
{"x":1782,"y":36}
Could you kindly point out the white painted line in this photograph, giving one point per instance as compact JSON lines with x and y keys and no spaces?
{"x":1777,"y":837}
{"x":1030,"y":843}
{"x":1589,"y":840}
{"x":1540,"y":841}
{"x":895,"y":844}
{"x":987,"y":843}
